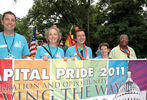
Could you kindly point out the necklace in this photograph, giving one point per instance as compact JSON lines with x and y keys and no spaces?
{"x":80,"y":54}
{"x":9,"y":50}
{"x":128,"y":53}
{"x":52,"y":56}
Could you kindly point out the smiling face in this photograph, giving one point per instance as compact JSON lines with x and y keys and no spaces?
{"x":53,"y":36}
{"x":9,"y":22}
{"x":80,"y":37}
{"x":124,"y":40}
{"x":104,"y":50}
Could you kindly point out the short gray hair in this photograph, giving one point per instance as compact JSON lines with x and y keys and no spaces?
{"x":47,"y":33}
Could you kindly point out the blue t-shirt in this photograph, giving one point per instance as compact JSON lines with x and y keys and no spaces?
{"x":99,"y":57}
{"x":56,"y":52}
{"x":98,"y":52}
{"x":72,"y":52}
{"x":19,"y":47}
{"x":126,"y":50}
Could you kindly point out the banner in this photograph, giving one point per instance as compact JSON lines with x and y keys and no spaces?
{"x":73,"y":80}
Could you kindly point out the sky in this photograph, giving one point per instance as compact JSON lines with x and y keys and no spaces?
{"x":20,"y":8}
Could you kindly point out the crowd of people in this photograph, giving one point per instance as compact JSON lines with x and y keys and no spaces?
{"x":14,"y":45}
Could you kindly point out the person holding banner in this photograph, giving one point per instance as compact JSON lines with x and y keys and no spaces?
{"x":12,"y":45}
{"x":123,"y":51}
{"x":79,"y":51}
{"x":104,"y":49}
{"x":51,"y":49}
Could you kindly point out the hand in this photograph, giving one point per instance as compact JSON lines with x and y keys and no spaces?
{"x":69,"y":58}
{"x":73,"y":58}
{"x":30,"y":58}
{"x":45,"y":58}
{"x":65,"y":58}
{"x":25,"y":57}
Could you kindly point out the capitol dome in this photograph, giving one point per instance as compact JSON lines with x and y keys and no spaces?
{"x":129,"y":90}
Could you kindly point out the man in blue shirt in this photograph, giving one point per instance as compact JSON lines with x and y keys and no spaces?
{"x":79,"y":51}
{"x":12,"y":45}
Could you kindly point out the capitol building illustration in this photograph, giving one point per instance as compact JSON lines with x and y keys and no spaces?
{"x":129,"y":90}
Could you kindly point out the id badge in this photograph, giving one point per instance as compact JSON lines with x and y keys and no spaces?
{"x":10,"y":56}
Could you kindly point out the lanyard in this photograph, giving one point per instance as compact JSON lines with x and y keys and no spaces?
{"x":128,"y":53}
{"x":9,"y":50}
{"x":81,"y":56}
{"x":52,"y":56}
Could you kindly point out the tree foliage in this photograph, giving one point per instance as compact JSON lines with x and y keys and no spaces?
{"x":1,"y":26}
{"x":102,"y":22}
{"x":123,"y":17}
{"x":63,"y":13}
{"x":23,"y":28}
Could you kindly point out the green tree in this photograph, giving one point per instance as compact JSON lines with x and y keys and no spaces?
{"x":103,"y":22}
{"x":123,"y":17}
{"x":23,"y":28}
{"x":63,"y":13}
{"x":1,"y":26}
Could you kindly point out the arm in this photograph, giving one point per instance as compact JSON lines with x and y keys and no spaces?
{"x":24,"y":57}
{"x":25,"y":52}
{"x":134,"y":55}
{"x":111,"y":55}
{"x":90,"y":54}
{"x":67,"y":54}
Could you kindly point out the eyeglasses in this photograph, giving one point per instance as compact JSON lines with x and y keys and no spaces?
{"x":123,"y":39}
